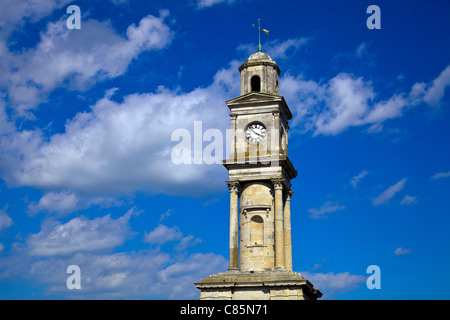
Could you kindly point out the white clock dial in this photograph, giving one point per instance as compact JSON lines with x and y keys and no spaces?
{"x":255,"y":132}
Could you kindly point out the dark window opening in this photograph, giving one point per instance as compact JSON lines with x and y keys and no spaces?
{"x":256,"y":84}
{"x":256,"y":230}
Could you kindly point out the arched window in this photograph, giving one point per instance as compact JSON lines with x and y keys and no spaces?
{"x":256,"y":84}
{"x":256,"y":230}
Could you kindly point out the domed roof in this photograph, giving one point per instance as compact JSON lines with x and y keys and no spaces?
{"x":260,"y":56}
{"x":259,"y":59}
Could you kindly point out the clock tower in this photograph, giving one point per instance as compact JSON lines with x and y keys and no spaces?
{"x":260,"y":174}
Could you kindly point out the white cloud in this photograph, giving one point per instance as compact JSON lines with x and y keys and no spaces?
{"x":384,"y":110}
{"x":282,"y":49}
{"x":330,"y":107}
{"x":117,"y":2}
{"x":162,"y":234}
{"x":402,"y":251}
{"x":309,"y":97}
{"x":57,"y":202}
{"x":165,"y":215}
{"x":201,"y":4}
{"x":356,"y":179}
{"x":327,"y":207}
{"x":407,"y":200}
{"x":348,"y":102}
{"x":390,"y":192}
{"x":276,"y":49}
{"x":14,"y":13}
{"x":361,"y":50}
{"x":76,"y":60}
{"x":5,"y":220}
{"x":65,"y":202}
{"x":441,"y":175}
{"x":151,"y":33}
{"x":144,"y":274}
{"x":436,"y":90}
{"x":187,"y":242}
{"x":90,"y":243}
{"x":180,"y":276}
{"x":103,"y":276}
{"x":121,"y":147}
{"x":80,"y":235}
{"x":331,"y":283}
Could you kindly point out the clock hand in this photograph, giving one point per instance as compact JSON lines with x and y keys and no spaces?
{"x":258,"y":134}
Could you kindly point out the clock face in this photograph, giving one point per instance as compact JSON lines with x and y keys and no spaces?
{"x":255,"y":132}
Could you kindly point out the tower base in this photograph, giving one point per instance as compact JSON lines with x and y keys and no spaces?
{"x":258,"y":285}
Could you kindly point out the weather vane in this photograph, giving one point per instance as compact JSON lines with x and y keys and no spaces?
{"x":259,"y":34}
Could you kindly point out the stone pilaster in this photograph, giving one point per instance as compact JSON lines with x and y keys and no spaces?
{"x":275,"y":138}
{"x":278,"y":185}
{"x":234,"y":239}
{"x":233,"y":152}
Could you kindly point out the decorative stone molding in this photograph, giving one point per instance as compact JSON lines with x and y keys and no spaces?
{"x":289,"y":193}
{"x":233,"y":186}
{"x":278,"y":183}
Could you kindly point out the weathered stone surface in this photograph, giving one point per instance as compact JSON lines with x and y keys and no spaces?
{"x":261,"y":285}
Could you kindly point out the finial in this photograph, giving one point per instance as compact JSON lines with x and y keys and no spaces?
{"x":259,"y":34}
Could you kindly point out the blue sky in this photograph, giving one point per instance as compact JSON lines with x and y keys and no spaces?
{"x":86,"y":118}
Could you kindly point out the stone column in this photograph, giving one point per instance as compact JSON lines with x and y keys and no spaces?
{"x":279,"y":232}
{"x":287,"y":231}
{"x":234,"y":239}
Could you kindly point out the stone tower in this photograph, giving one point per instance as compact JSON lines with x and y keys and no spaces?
{"x":260,"y":174}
